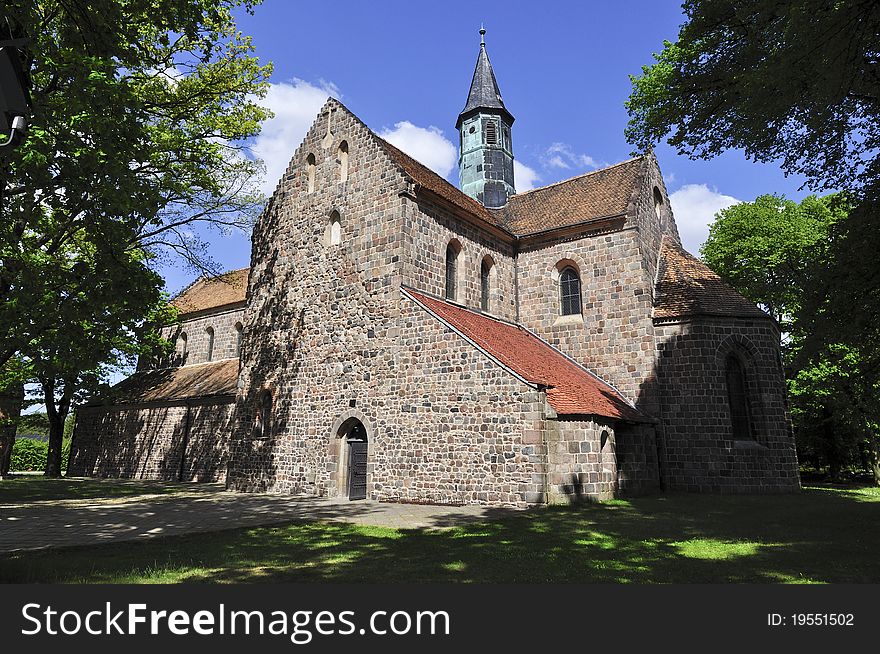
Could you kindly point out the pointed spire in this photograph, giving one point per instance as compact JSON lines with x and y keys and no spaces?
{"x":484,"y":92}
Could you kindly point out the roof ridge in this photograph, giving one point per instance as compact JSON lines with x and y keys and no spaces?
{"x":204,"y":278}
{"x":467,"y":199}
{"x":571,"y":179}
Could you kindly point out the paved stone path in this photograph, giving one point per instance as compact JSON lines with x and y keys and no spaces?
{"x":204,"y":508}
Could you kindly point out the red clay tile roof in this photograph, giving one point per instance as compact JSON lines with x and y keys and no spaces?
{"x":200,"y":380}
{"x":571,"y":388}
{"x":431,"y":181}
{"x":597,"y":194}
{"x":213,"y":292}
{"x":688,"y":287}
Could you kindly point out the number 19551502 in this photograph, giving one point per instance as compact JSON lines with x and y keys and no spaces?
{"x":811,"y":620}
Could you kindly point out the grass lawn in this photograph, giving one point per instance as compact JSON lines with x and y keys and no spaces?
{"x":822,"y":535}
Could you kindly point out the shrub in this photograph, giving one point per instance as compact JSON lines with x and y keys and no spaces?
{"x":30,"y":455}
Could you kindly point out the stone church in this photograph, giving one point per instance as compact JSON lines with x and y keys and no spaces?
{"x":398,"y":339}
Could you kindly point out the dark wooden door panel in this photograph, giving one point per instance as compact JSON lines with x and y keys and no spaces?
{"x":357,"y":470}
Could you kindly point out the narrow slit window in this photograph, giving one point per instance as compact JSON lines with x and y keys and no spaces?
{"x":343,"y":161}
{"x":310,"y":172}
{"x":740,"y":421}
{"x":451,"y":266}
{"x":658,"y":204}
{"x":485,"y":283}
{"x":238,"y":331}
{"x":334,"y":236}
{"x":262,"y":426}
{"x":182,"y":340}
{"x":210,"y":354}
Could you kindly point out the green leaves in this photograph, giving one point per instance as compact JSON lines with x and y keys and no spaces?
{"x":140,"y":109}
{"x":766,"y":247}
{"x":797,"y":84}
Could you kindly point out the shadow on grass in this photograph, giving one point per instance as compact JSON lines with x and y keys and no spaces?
{"x":822,"y":535}
{"x":24,"y":489}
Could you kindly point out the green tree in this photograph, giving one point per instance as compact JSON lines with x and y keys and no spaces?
{"x":101,"y":330}
{"x":836,"y":410}
{"x":796,"y":82}
{"x":140,"y":109}
{"x":765,"y":248}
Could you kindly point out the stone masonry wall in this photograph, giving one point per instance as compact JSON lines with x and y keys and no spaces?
{"x":614,"y":336}
{"x":223,"y":322}
{"x":579,"y":467}
{"x":642,"y":216}
{"x":147,"y":442}
{"x":321,"y":321}
{"x":428,"y":229}
{"x":464,"y":429}
{"x":637,"y":466}
{"x":697,"y":449}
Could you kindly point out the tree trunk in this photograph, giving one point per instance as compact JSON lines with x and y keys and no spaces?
{"x":57,"y":415}
{"x":10,"y":408}
{"x":874,"y":459}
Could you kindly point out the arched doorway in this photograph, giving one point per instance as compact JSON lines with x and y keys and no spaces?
{"x":356,"y":442}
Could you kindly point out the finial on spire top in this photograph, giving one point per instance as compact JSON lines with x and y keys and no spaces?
{"x":482,"y":36}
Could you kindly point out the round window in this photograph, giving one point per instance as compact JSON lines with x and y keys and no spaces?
{"x":472,"y":130}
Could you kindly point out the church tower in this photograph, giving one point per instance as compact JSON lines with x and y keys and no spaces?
{"x":485,"y":164}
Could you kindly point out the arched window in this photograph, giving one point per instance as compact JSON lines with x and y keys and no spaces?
{"x":485,"y":282}
{"x":333,"y":234}
{"x":607,"y":455}
{"x":569,"y":292}
{"x":452,"y":251}
{"x":658,"y":203}
{"x":737,"y":400}
{"x":343,"y":161}
{"x":210,"y":332}
{"x":238,"y":331}
{"x":310,"y":172}
{"x":491,"y":132}
{"x":182,"y":347}
{"x":263,"y":422}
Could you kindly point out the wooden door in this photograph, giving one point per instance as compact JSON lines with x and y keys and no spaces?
{"x":357,"y":470}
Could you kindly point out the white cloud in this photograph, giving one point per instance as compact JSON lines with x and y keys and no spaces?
{"x":296,"y":106}
{"x":524,"y":178}
{"x":561,"y":155}
{"x":695,"y":206}
{"x":426,"y":145}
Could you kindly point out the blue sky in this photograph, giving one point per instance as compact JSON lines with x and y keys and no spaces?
{"x":405,"y":67}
